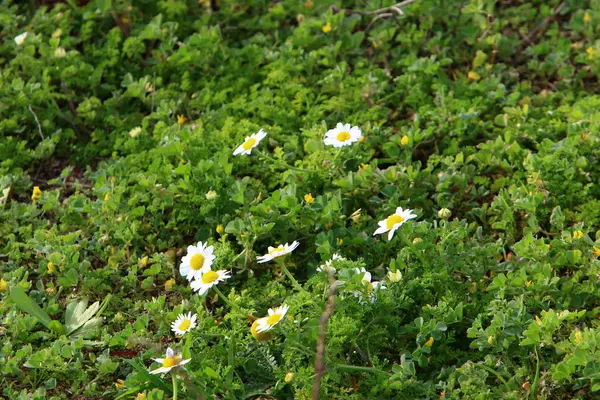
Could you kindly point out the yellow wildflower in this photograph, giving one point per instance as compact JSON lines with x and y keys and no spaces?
{"x":3,"y":285}
{"x":578,"y":234}
{"x":578,"y":337}
{"x":340,"y":241}
{"x":120,"y":384}
{"x":586,"y":17}
{"x":404,"y":141}
{"x":308,"y":4}
{"x":490,"y":339}
{"x":591,"y":52}
{"x":181,"y":120}
{"x":36,"y":194}
{"x":327,"y":28}
{"x":260,"y":335}
{"x":429,"y":342}
{"x":474,"y":76}
{"x":51,"y":268}
{"x":289,"y":377}
{"x":169,"y":284}
{"x":220,"y":229}
{"x":143,"y":262}
{"x":528,"y":283}
{"x":140,"y":396}
{"x":106,"y":197}
{"x":538,"y":320}
{"x":417,"y":240}
{"x":309,"y":199}
{"x":596,"y":251}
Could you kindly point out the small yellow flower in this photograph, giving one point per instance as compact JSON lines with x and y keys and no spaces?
{"x":361,"y":139}
{"x":417,"y":240}
{"x":429,"y":342}
{"x":169,"y":284}
{"x":181,"y":120}
{"x":586,"y":17}
{"x":490,"y":339}
{"x":260,"y":336}
{"x":3,"y":285}
{"x":120,"y":384}
{"x":51,"y":268}
{"x":36,"y":194}
{"x":363,"y":166}
{"x":309,"y":199}
{"x":474,"y":76}
{"x":394,"y":276}
{"x":308,"y":4}
{"x":578,"y":337}
{"x":143,"y":262}
{"x":125,"y":20}
{"x":538,"y":320}
{"x":578,"y":234}
{"x":211,"y":195}
{"x":140,"y":396}
{"x":591,"y":52}
{"x":327,"y":28}
{"x":220,"y":229}
{"x":444,"y":213}
{"x":528,"y":283}
{"x":340,"y":241}
{"x":289,"y":377}
{"x":106,"y":197}
{"x":355,"y":217}
{"x":596,"y":251}
{"x":404,"y":141}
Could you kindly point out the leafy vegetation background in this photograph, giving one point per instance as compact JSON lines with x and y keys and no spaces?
{"x":499,"y":105}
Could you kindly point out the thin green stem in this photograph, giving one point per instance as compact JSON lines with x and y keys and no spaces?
{"x":287,"y":273}
{"x":356,"y":368}
{"x":283,"y":163}
{"x":537,"y":374}
{"x":496,"y":374}
{"x":174,"y":386}
{"x":222,"y":296}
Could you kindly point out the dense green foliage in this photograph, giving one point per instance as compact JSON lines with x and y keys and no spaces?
{"x":486,"y":108}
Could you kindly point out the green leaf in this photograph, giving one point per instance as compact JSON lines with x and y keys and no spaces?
{"x":25,"y":303}
{"x":104,"y":5}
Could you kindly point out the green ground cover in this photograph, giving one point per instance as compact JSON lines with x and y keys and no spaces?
{"x":124,"y":133}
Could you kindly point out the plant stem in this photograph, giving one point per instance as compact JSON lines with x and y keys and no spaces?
{"x":358,"y":368}
{"x":281,"y":162}
{"x":222,"y":296}
{"x":174,"y":386}
{"x":287,"y":273}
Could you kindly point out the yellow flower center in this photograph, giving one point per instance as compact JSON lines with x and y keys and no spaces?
{"x":185,"y":325}
{"x":209,"y":277}
{"x":277,"y":250}
{"x":343,"y":136}
{"x":171,"y":361}
{"x":249,"y":144}
{"x":273,"y":319}
{"x":259,"y":335}
{"x":393,"y":220}
{"x":197,"y":262}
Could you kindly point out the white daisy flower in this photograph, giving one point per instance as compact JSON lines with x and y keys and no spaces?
{"x":209,"y":279}
{"x":20,"y":39}
{"x":275,"y":315}
{"x":278,"y":251}
{"x":250,"y":142}
{"x":184,"y":323}
{"x":198,"y":260}
{"x":342,"y":135}
{"x":371,"y":287}
{"x":327,"y":267}
{"x":394,"y":221}
{"x":171,"y":361}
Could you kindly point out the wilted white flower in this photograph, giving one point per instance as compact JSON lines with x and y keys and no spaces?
{"x":20,"y":39}
{"x":278,"y":251}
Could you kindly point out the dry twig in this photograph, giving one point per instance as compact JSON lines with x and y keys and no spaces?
{"x":543,"y":24}
{"x":319,"y":358}
{"x":384,"y":12}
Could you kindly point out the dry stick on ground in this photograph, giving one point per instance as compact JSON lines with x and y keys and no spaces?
{"x":319,"y":362}
{"x":37,"y":121}
{"x":380,"y":13}
{"x":543,"y":24}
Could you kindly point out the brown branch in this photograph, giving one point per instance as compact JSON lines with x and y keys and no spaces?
{"x":319,"y":358}
{"x":543,"y":24}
